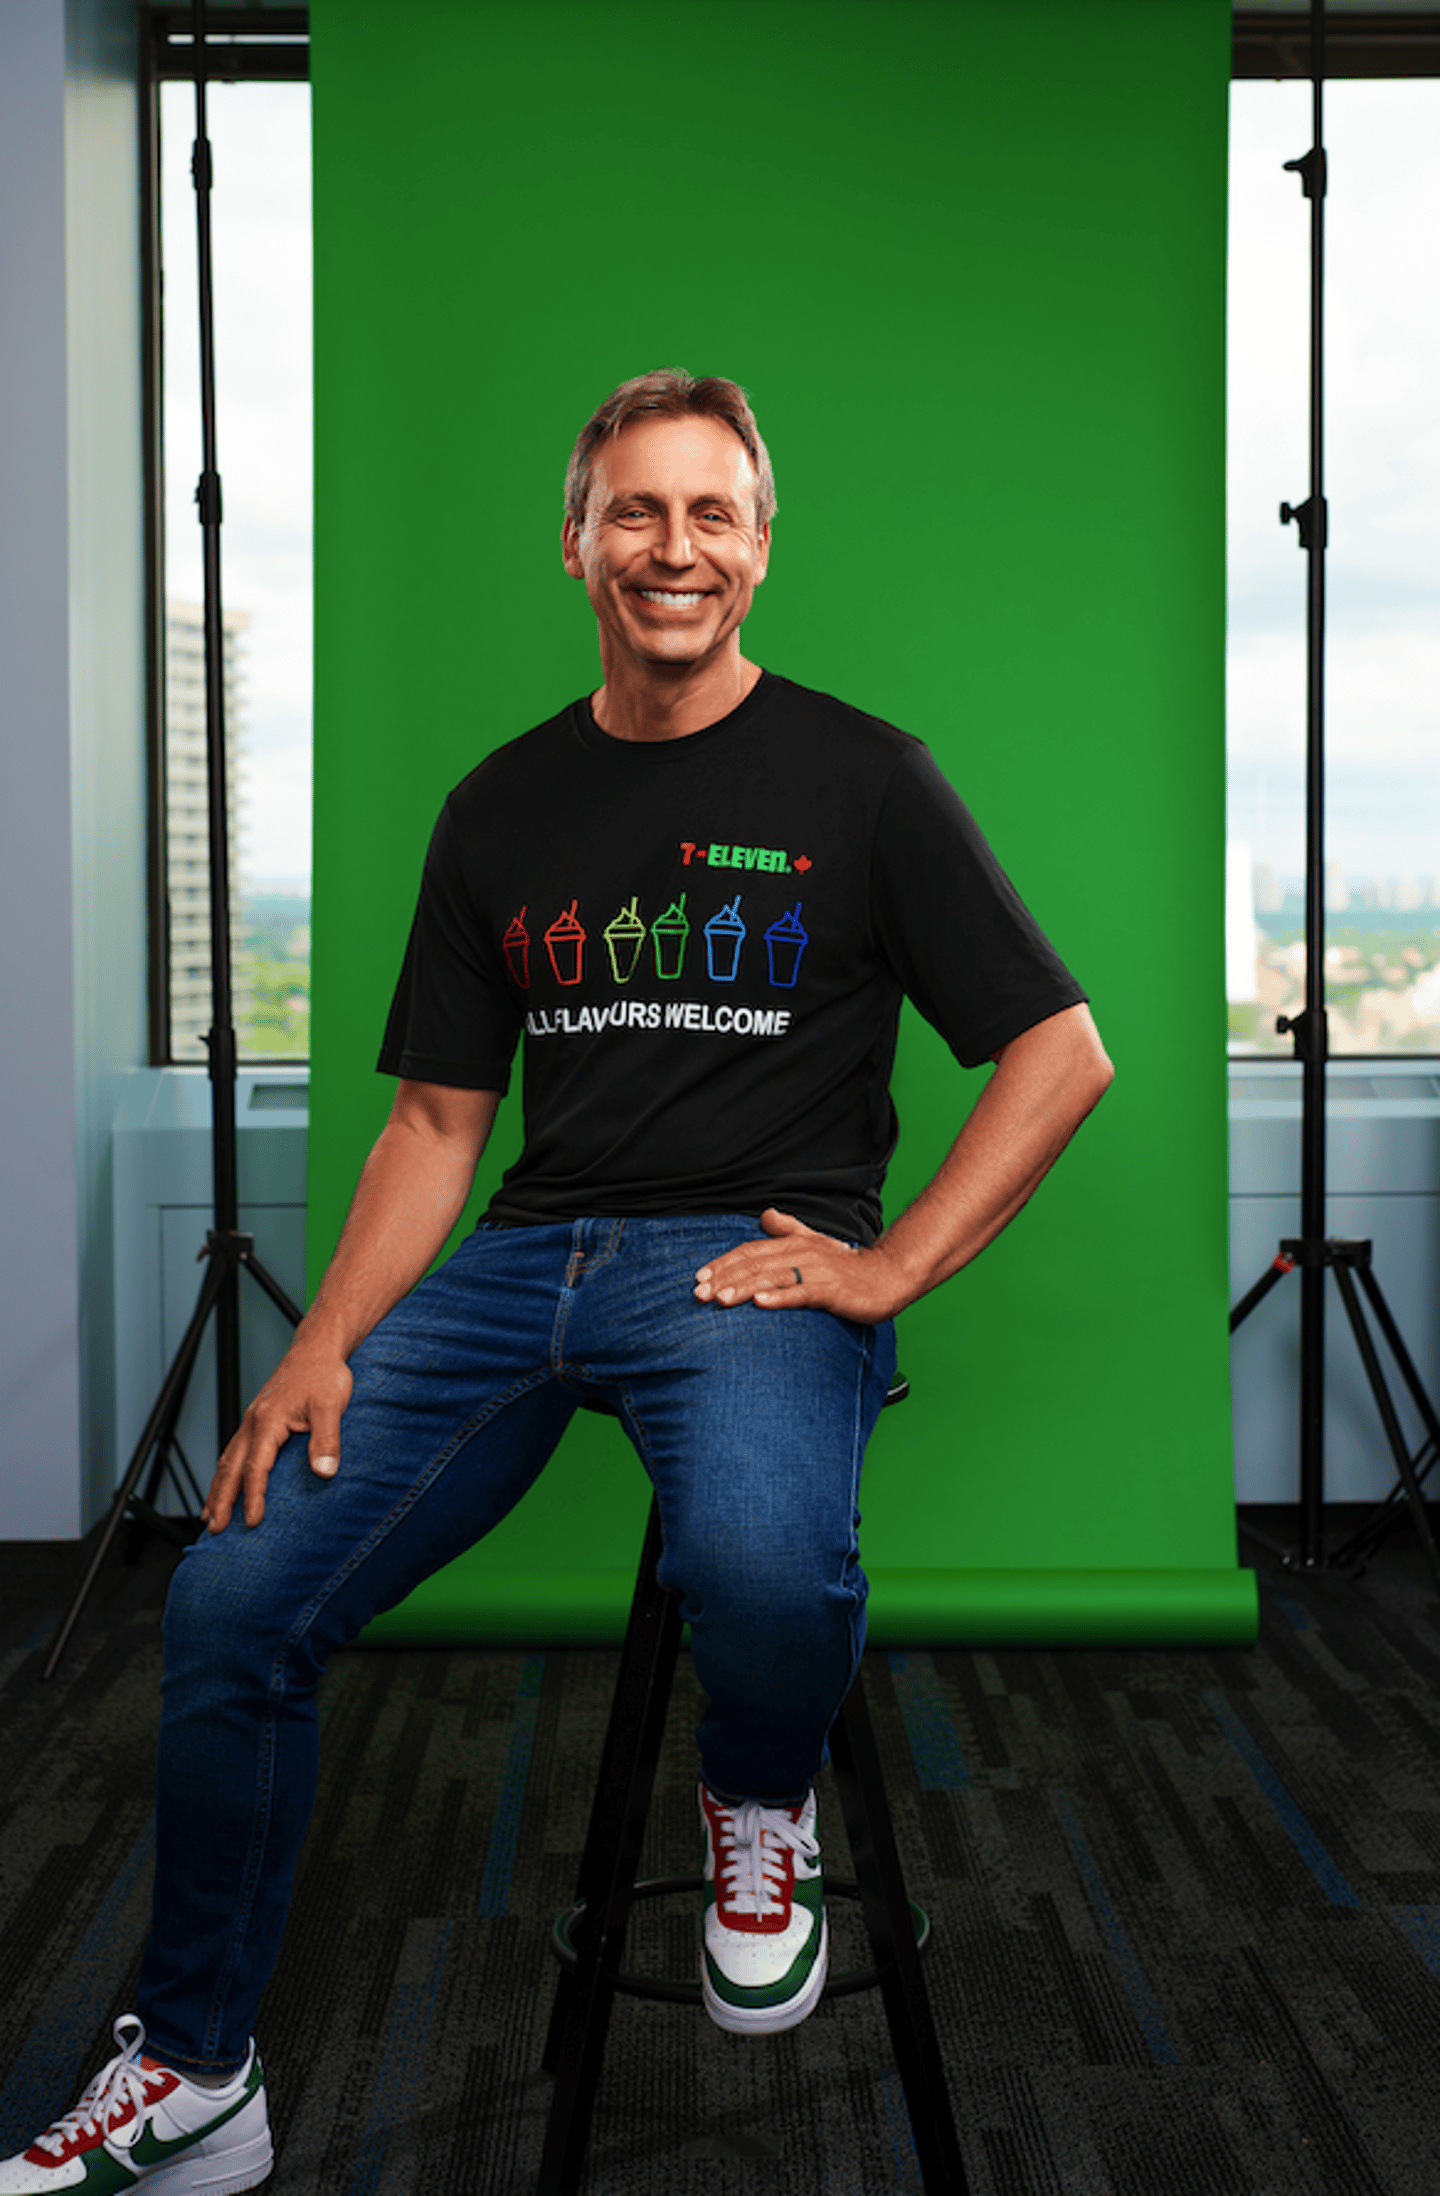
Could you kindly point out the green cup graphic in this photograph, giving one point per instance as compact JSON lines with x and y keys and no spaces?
{"x":669,"y":932}
{"x":624,"y":935}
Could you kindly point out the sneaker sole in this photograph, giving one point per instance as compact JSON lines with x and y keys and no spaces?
{"x":769,"y":2020}
{"x":228,"y":2174}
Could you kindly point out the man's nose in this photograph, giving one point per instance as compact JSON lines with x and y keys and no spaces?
{"x":674,"y":547}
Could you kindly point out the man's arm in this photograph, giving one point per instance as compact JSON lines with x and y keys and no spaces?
{"x":1045,"y":1082}
{"x":410,"y":1195}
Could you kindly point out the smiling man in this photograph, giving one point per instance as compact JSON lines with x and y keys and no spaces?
{"x":698,"y":896}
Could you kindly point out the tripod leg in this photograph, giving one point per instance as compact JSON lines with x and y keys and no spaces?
{"x":161,"y":1420}
{"x":135,"y":1527}
{"x":271,"y":1287}
{"x":1274,"y":1272}
{"x":1385,"y":1320}
{"x":174,"y":1450}
{"x":1393,"y":1432}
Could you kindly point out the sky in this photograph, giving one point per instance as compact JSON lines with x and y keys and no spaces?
{"x":1382,"y":463}
{"x":1382,"y":459}
{"x":260,"y":214}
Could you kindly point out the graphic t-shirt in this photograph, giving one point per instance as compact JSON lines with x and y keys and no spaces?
{"x":705,"y":942}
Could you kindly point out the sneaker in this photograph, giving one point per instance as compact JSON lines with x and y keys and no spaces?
{"x":766,"y":1942}
{"x":141,"y":2122}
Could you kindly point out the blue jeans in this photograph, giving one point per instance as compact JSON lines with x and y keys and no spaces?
{"x":751,"y":1425}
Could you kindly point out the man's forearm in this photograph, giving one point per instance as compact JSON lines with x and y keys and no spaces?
{"x":411,"y":1192}
{"x":1044,"y":1084}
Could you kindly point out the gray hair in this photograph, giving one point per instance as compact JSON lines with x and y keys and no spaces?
{"x":670,"y":393}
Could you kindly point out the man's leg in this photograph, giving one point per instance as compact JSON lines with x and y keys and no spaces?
{"x":753,"y":1427}
{"x":454,"y":1413}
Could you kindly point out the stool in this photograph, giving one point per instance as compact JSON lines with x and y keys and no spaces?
{"x":575,"y":2045}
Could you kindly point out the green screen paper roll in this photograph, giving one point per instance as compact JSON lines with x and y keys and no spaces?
{"x":968,"y":259}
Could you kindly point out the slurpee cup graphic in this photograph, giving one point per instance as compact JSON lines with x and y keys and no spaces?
{"x":624,"y":935}
{"x":670,"y":932}
{"x":517,"y":950}
{"x":565,"y":944}
{"x":724,"y":936}
{"x":785,"y":941}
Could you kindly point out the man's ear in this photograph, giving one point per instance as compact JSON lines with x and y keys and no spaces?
{"x":762,"y":542}
{"x":570,"y":549}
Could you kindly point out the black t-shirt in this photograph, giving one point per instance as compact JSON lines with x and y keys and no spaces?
{"x":705,"y":941}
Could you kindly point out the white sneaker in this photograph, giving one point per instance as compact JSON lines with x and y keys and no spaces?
{"x":766,"y":1945}
{"x":144,"y":2123}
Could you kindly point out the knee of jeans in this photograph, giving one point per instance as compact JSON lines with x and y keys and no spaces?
{"x":781,"y":1592}
{"x":223,"y":1614}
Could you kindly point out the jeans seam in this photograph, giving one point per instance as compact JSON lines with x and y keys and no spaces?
{"x":381,"y":1531}
{"x":638,"y":1434}
{"x":245,"y":1903}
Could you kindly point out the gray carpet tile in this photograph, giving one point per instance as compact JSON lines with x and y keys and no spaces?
{"x":1186,"y":1912}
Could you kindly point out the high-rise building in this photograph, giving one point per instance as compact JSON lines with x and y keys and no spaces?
{"x":187,"y":826}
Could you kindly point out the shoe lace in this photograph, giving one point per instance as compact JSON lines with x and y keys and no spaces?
{"x":753,"y":1864}
{"x":121,"y":2083}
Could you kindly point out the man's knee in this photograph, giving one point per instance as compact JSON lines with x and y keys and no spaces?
{"x":782,"y":1590}
{"x":228,"y":1610}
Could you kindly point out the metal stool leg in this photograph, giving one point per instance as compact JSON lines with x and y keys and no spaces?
{"x":575,"y":2047}
{"x":856,"y":1761}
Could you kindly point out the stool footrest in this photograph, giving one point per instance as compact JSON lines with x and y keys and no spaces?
{"x":669,"y":1990}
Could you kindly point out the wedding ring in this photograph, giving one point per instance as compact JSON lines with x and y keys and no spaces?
{"x":799,"y":1277}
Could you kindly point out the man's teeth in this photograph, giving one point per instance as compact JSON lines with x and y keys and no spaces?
{"x":668,"y":595}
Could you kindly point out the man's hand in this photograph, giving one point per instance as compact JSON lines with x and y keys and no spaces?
{"x":306,"y":1393}
{"x":792,"y":1266}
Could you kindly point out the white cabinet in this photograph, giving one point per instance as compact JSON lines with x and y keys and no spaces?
{"x":162,"y":1209}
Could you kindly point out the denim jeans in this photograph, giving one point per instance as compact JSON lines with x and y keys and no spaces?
{"x":752,"y":1426}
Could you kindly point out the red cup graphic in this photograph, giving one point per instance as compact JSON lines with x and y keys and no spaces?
{"x":517,"y":950}
{"x":565,"y":944}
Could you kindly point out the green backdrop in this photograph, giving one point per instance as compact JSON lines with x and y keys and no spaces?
{"x":968,"y":258}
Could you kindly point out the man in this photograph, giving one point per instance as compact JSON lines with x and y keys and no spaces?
{"x":700,"y":893}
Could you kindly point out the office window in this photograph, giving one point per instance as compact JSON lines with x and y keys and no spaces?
{"x":260,"y":135}
{"x":1382,"y":885}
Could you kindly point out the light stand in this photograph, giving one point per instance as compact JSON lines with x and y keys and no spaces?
{"x":226,"y":1249}
{"x":1312,"y":1250}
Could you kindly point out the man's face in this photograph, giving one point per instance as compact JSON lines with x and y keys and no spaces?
{"x":669,"y":552}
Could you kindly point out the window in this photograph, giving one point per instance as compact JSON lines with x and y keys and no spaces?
{"x":260,"y":137}
{"x":1382,"y":885}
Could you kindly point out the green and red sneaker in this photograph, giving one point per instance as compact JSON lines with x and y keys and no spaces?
{"x":142,"y":2123}
{"x":766,"y":1944}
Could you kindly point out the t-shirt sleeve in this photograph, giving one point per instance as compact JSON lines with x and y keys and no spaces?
{"x":453,"y":1019}
{"x":950,"y":924}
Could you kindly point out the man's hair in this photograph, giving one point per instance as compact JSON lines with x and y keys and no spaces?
{"x":670,"y":393}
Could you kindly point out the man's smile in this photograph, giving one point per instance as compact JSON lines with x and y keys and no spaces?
{"x":680,"y":598}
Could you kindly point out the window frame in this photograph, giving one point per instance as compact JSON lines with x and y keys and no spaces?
{"x":243,"y":45}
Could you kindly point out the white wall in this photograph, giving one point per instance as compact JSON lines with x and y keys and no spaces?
{"x":72,"y":898}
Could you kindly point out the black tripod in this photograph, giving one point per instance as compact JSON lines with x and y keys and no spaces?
{"x":226,"y":1249}
{"x":1312,"y":1250}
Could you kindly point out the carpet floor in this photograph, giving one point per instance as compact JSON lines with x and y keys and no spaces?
{"x":1186,"y":1912}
